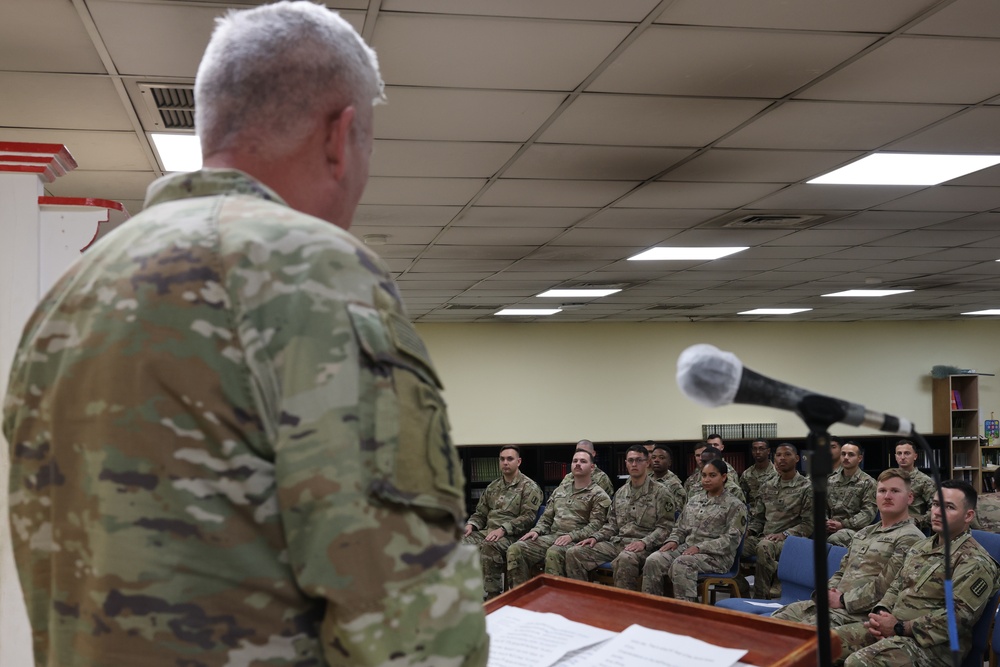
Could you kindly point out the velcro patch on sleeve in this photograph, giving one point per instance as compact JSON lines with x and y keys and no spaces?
{"x":979,"y":587}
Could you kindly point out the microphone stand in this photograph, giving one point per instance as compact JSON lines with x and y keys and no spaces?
{"x":819,"y":412}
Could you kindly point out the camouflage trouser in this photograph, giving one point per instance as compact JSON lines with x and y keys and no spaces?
{"x":627,"y":565}
{"x":804,"y":611}
{"x":861,"y":650}
{"x":524,"y":557}
{"x":842,"y":538}
{"x":765,"y":577}
{"x":682,"y":570}
{"x":492,"y":555}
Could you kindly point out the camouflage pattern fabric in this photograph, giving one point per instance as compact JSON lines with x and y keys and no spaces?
{"x":987,"y":513}
{"x":692,"y":487}
{"x":850,"y":500}
{"x":751,"y":479}
{"x":715,"y":526}
{"x":782,"y":506}
{"x":644,"y":513}
{"x":924,"y":490}
{"x":872,"y":562}
{"x":578,"y":513}
{"x":674,"y":487}
{"x":512,"y":507}
{"x":917,"y":595}
{"x":598,"y":476}
{"x":229,"y":447}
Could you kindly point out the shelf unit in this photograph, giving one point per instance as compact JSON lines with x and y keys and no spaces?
{"x":956,"y":414}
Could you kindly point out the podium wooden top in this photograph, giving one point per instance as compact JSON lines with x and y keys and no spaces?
{"x":768,"y":642}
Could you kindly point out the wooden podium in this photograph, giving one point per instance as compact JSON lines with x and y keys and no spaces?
{"x":768,"y":642}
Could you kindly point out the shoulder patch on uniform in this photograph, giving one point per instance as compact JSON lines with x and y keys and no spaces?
{"x":979,"y":587}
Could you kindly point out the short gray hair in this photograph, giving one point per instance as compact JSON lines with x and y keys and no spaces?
{"x":267,"y":68}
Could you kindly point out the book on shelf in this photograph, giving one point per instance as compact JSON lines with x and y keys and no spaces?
{"x":956,"y":400}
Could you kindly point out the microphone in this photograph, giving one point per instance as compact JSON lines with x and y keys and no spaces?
{"x":713,"y":378}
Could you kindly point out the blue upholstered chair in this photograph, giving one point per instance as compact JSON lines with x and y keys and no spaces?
{"x":981,"y":631}
{"x":795,"y":572}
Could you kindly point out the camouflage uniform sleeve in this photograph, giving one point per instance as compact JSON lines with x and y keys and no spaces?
{"x":598,"y":514}
{"x":369,"y":484}
{"x":804,"y":528}
{"x":664,"y":518}
{"x":756,"y":526}
{"x":745,"y":483}
{"x":682,"y":527}
{"x":867,"y":595}
{"x":610,"y":527}
{"x":727,"y":543}
{"x":531,"y":500}
{"x":544,"y":523}
{"x":864,"y":516}
{"x":605,"y":483}
{"x":923,"y":492}
{"x":974,"y":581}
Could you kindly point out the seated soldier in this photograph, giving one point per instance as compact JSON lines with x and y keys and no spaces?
{"x":851,"y":497}
{"x":692,"y":485}
{"x":659,"y":466}
{"x":922,"y":485}
{"x":573,"y":512}
{"x":704,"y":539}
{"x":988,"y":508}
{"x":908,"y":626}
{"x":761,"y":470}
{"x":598,"y":475}
{"x":873,"y":559}
{"x":639,"y":520}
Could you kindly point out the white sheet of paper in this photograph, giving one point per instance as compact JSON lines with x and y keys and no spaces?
{"x":637,"y":646}
{"x":523,"y":637}
{"x":769,"y":605}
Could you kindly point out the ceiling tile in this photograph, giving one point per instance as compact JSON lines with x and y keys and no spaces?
{"x":568,"y":161}
{"x":917,"y":69}
{"x":521,"y":216}
{"x":972,"y":132}
{"x":468,"y":251}
{"x":919,"y":267}
{"x":45,"y":36}
{"x":421,"y":191}
{"x":948,"y":198}
{"x":843,"y":15}
{"x":568,"y":252}
{"x":986,"y":221}
{"x":964,"y":254}
{"x":835,"y":125}
{"x":498,"y":235}
{"x":660,"y":218}
{"x":926,"y":238}
{"x":435,"y":159}
{"x":819,"y":237}
{"x":696,"y":195}
{"x":420,"y":50}
{"x":40,"y":100}
{"x":604,"y":238}
{"x":733,"y":63}
{"x":791,"y":252}
{"x":463,"y":265}
{"x":100,"y":151}
{"x":374,"y":215}
{"x":124,"y":184}
{"x":721,"y":236}
{"x":833,"y":197}
{"x":965,"y":18}
{"x":882,"y":252}
{"x":759,"y":166}
{"x":628,"y":120}
{"x":401,"y":235}
{"x":463,"y":115}
{"x":592,"y":10}
{"x":890,"y":220}
{"x":521,"y":192}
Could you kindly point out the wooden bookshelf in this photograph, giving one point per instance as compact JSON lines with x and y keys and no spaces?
{"x":956,"y":414}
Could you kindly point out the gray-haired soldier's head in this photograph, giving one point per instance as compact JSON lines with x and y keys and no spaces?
{"x":268,"y":68}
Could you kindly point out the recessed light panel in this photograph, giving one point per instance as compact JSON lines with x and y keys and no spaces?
{"x":906,"y":169}
{"x":869,"y":292}
{"x":685,"y":253}
{"x":528,"y":311}
{"x":578,"y":293}
{"x":774,"y":311}
{"x":178,"y":152}
{"x":993,"y":311}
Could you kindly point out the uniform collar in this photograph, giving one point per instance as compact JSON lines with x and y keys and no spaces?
{"x":207,"y":183}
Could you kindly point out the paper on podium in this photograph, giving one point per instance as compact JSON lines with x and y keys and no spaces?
{"x":522,"y":638}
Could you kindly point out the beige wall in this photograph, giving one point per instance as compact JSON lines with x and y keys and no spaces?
{"x":536,"y":382}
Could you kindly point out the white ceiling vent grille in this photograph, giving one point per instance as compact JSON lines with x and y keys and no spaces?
{"x":772,"y":221}
{"x":170,"y":107}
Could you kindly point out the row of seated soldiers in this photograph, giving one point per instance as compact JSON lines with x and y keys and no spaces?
{"x":886,"y":599}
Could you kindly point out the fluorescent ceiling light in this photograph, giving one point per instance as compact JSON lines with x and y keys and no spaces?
{"x":528,"y":311}
{"x":869,"y":292}
{"x":178,"y":152}
{"x":774,"y":311}
{"x":994,"y":311}
{"x":586,"y":293}
{"x":686,"y":253}
{"x":906,"y":169}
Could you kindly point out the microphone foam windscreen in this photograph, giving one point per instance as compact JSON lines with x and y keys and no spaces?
{"x":709,"y":376}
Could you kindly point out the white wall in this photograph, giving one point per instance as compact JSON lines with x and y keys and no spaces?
{"x":536,"y":382}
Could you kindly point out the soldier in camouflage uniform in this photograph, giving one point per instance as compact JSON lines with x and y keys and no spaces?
{"x":761,"y":470}
{"x":228,"y":444}
{"x":599,"y":477}
{"x":503,"y":514}
{"x":923,"y":486}
{"x":659,"y":465}
{"x":572,"y":513}
{"x":639,"y":520}
{"x":704,"y":539}
{"x":692,"y":485}
{"x":851,"y":497}
{"x":783,"y":508}
{"x":908,"y":626}
{"x":988,"y":513}
{"x":872,"y":562}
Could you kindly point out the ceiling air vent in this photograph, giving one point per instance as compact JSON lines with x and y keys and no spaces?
{"x":765,"y":221}
{"x":170,"y":107}
{"x":461,"y":306}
